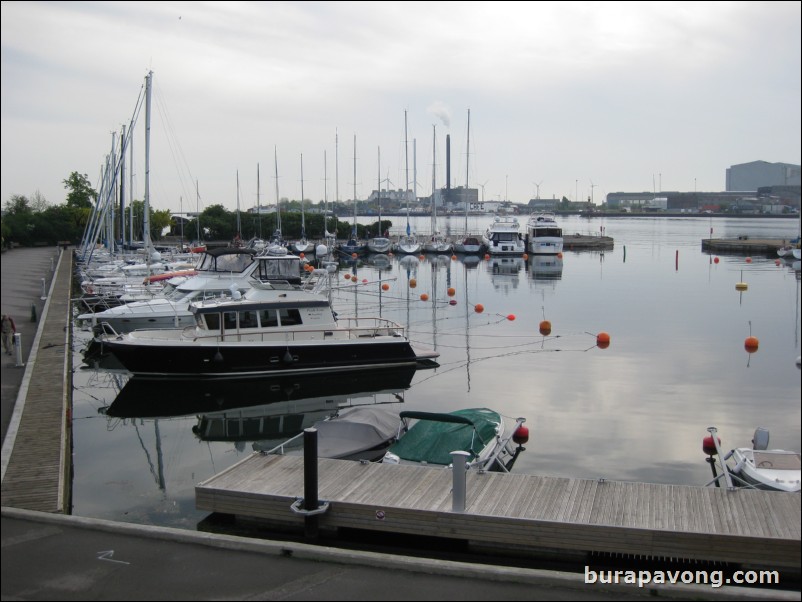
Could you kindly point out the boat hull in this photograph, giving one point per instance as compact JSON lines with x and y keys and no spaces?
{"x":237,"y":359}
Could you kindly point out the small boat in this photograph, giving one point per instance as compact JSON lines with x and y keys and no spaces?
{"x":267,"y":331}
{"x":353,"y":433}
{"x":543,"y":235}
{"x":757,"y":467}
{"x":503,"y":237}
{"x":428,"y":438}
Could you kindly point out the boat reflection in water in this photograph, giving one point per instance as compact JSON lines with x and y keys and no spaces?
{"x":144,"y":397}
{"x":545,"y":267}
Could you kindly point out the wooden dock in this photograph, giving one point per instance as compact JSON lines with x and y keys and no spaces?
{"x":521,"y":512}
{"x":37,"y":474}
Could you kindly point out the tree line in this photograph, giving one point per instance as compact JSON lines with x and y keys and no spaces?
{"x":28,"y":221}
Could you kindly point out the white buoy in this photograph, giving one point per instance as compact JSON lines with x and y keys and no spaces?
{"x":321,"y":250}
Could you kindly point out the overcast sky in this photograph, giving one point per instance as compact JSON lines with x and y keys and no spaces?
{"x":566,"y":99}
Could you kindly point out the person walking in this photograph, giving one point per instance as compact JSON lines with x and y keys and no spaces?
{"x":9,"y":328}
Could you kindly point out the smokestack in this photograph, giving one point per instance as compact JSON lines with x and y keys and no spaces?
{"x":448,"y":162}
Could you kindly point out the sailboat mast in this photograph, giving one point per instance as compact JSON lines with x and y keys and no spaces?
{"x":303,"y":221}
{"x":278,"y":204}
{"x":467,"y":157}
{"x":434,"y":160}
{"x":379,"y":190}
{"x":239,"y":223}
{"x":146,"y":218}
{"x":325,"y":197}
{"x":406,"y":168}
{"x":197,"y":209}
{"x":258,"y":200}
{"x":353,"y":233}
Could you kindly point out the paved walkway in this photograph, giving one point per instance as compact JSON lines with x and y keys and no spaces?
{"x":49,"y":556}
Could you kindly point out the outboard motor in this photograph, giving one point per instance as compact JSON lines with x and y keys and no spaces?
{"x":761,"y":439}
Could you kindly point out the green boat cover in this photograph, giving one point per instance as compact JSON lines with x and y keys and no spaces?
{"x":434,"y":436}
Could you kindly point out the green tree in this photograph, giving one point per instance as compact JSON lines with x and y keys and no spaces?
{"x":81,"y":192}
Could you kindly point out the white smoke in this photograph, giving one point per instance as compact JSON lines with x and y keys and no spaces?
{"x":441,"y":111}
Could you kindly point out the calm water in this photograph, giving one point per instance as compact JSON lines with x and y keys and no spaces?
{"x":636,"y":411}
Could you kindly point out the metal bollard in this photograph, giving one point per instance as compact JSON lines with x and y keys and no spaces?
{"x":18,"y":349}
{"x":44,"y":294}
{"x":33,"y":312}
{"x":458,"y":470}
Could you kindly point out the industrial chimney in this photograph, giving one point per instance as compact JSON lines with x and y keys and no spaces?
{"x":448,"y":163}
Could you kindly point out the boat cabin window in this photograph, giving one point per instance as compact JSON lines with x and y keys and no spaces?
{"x":229,"y":320}
{"x":290,"y":317}
{"x":268,"y":318}
{"x":212,"y":321}
{"x":247,"y":319}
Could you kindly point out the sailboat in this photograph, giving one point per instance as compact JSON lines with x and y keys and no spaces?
{"x":439,"y":242}
{"x":303,"y":245}
{"x":380,"y":243}
{"x":408,"y":243}
{"x":353,"y":244}
{"x":468,"y":244}
{"x":277,"y":246}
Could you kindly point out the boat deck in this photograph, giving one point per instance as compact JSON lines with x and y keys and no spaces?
{"x":520,"y":511}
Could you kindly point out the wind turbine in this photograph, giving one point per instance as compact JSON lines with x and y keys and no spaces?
{"x":592,"y":186}
{"x":483,"y":190}
{"x":537,"y":185}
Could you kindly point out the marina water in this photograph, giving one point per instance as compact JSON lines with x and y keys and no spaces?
{"x":635,"y":411}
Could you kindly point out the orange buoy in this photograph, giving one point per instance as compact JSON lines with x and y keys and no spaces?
{"x":385,"y":287}
{"x":603,"y":340}
{"x":453,"y":258}
{"x":421,"y":257}
{"x":545,"y":328}
{"x":302,"y":255}
{"x":413,"y":283}
{"x":511,"y":317}
{"x":424,"y":297}
{"x":748,"y":260}
{"x":452,"y":291}
{"x":525,"y":256}
{"x":364,"y":281}
{"x":487,"y":256}
{"x":347,"y":276}
{"x":715,"y":260}
{"x":560,"y":255}
{"x":479,"y":308}
{"x":751,"y":344}
{"x":354,"y":255}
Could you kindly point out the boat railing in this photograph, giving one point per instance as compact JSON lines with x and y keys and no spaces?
{"x":361,"y":329}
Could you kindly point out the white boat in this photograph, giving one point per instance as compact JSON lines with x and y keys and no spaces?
{"x":269,"y":330}
{"x":219,"y":272}
{"x":428,"y":438}
{"x":503,"y":237}
{"x":543,"y":235}
{"x":756,"y":466}
{"x":352,"y":433}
